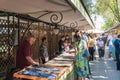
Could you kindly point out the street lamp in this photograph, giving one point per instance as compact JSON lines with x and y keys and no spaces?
{"x":73,"y":33}
{"x":56,"y":29}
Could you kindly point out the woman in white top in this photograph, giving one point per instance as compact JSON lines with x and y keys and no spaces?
{"x":110,"y":45}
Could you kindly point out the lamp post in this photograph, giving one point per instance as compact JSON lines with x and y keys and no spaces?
{"x":56,"y":29}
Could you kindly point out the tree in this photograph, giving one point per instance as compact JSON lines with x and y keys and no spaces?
{"x":110,"y":10}
{"x":89,"y":5}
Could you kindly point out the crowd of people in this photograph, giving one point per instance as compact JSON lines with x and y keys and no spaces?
{"x":112,"y":41}
{"x":86,"y":47}
{"x":84,"y":44}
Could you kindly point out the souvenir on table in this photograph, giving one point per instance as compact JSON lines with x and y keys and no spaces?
{"x":60,"y":63}
{"x":41,"y":71}
{"x":38,"y":74}
{"x":46,"y":69}
{"x":63,"y":59}
{"x":67,"y":56}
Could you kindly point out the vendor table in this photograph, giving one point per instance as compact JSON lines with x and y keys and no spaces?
{"x":64,"y":63}
{"x":23,"y":74}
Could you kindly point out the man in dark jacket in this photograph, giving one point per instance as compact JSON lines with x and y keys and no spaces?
{"x":117,"y":51}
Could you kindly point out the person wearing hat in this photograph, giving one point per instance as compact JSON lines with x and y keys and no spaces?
{"x":24,"y":56}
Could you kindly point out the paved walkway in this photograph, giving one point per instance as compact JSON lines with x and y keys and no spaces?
{"x":104,"y":69}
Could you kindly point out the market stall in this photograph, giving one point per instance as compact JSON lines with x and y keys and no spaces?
{"x":49,"y":18}
{"x":41,"y":72}
{"x":59,"y":68}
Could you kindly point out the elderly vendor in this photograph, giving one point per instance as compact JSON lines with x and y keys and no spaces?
{"x":24,"y":56}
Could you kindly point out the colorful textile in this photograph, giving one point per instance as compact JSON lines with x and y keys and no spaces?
{"x":81,"y":61}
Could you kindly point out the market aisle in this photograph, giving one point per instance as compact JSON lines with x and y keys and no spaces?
{"x":104,"y":69}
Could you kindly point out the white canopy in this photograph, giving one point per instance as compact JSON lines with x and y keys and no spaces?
{"x":37,"y":8}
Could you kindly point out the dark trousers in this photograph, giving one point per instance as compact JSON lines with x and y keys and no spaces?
{"x":89,"y":68}
{"x":91,"y":51}
{"x":10,"y":73}
{"x":118,"y":61}
{"x":42,"y":60}
{"x":101,"y":51}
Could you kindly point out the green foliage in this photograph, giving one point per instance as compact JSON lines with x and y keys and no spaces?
{"x":110,"y":10}
{"x":108,"y":24}
{"x":89,"y":5}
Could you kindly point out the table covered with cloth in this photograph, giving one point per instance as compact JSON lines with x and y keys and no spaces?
{"x":59,"y":68}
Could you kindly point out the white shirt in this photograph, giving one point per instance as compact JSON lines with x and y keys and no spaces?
{"x":100,"y":43}
{"x":110,"y":38}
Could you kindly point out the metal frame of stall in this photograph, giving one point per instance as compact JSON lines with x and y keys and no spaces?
{"x":14,"y":27}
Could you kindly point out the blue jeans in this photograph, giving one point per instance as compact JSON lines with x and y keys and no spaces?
{"x":101,"y":52}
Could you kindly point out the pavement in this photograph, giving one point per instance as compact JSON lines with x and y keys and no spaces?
{"x":104,"y":69}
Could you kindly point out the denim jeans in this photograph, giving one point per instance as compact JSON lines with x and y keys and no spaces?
{"x":101,"y":52}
